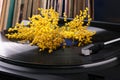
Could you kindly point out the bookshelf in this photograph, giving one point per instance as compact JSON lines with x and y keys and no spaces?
{"x":13,"y":11}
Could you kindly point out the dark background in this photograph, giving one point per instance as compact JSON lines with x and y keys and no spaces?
{"x":107,"y":10}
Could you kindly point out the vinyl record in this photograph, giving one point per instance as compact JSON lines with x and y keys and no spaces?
{"x":30,"y":56}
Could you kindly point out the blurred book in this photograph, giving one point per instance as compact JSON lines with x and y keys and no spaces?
{"x":4,"y":14}
{"x":10,"y":13}
{"x":1,"y":3}
{"x":16,"y":12}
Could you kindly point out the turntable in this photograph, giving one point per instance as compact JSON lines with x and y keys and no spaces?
{"x":26,"y":62}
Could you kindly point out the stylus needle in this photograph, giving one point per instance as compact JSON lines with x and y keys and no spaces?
{"x":94,"y":48}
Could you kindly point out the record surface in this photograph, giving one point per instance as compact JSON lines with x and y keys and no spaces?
{"x":26,"y":55}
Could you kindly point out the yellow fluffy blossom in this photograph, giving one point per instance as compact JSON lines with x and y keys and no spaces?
{"x":43,"y":30}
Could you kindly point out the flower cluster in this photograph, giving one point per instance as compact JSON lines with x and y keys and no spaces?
{"x":43,"y":30}
{"x":77,"y":29}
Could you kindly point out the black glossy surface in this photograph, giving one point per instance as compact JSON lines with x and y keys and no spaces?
{"x":26,"y":55}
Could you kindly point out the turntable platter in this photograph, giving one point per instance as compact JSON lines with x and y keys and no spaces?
{"x":26,"y":55}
